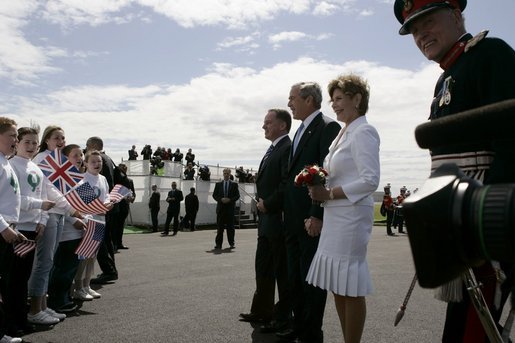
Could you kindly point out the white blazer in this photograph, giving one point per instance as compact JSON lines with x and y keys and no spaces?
{"x":353,"y":164}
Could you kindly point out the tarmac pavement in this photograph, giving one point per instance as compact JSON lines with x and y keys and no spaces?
{"x":177,"y":289}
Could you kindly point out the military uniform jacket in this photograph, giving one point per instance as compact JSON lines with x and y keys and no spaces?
{"x":483,"y":74}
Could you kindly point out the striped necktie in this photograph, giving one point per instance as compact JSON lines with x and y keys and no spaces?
{"x":297,"y":138}
{"x":268,"y":152}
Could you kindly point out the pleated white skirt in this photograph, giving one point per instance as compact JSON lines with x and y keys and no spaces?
{"x":340,"y":263}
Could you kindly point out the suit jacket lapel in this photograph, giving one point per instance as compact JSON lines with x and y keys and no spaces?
{"x":305,"y":137}
{"x":276,"y":148}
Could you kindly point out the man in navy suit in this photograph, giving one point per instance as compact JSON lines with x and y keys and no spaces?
{"x":173,"y":199}
{"x":226,"y":194}
{"x":270,"y":260}
{"x":303,"y":220}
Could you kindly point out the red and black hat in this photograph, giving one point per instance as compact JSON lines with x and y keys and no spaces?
{"x":408,"y":10}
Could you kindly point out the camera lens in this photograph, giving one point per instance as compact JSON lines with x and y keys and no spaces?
{"x":493,"y":216}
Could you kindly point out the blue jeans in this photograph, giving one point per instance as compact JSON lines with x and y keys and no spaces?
{"x":44,"y":259}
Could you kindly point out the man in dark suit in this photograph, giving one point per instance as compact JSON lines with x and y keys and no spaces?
{"x":270,"y":260}
{"x":123,"y":208}
{"x":226,"y":194}
{"x":303,"y":220}
{"x":173,"y":199}
{"x":192,"y":205}
{"x":154,"y":205}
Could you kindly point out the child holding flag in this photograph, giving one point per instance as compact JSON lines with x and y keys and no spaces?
{"x":66,"y":262}
{"x":93,"y":162}
{"x":32,"y":222}
{"x":9,"y":213}
{"x":53,"y":138}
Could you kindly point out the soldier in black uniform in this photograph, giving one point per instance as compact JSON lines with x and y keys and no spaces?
{"x":477,"y":71}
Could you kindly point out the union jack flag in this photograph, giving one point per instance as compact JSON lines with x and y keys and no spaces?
{"x":84,"y":199}
{"x":118,"y":193}
{"x":89,"y":244}
{"x":60,"y":171}
{"x":24,"y":247}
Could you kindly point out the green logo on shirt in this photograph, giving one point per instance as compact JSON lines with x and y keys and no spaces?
{"x":33,"y":179}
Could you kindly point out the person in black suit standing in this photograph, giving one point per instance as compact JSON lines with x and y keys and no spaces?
{"x":270,"y":263}
{"x":192,"y":205}
{"x":226,"y":194}
{"x":173,"y":199}
{"x":303,"y":219}
{"x":154,"y":206}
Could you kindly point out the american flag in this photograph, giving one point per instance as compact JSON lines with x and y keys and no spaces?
{"x":84,"y":199}
{"x":94,"y":235}
{"x":60,"y":171}
{"x":118,"y":193}
{"x":24,"y":247}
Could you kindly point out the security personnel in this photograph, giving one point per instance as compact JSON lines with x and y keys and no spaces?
{"x":387,"y":209}
{"x":477,"y":71}
{"x":399,"y":216}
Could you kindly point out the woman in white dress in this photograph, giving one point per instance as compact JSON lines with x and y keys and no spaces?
{"x":340,"y":263}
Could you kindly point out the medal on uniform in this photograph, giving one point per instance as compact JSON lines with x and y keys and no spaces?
{"x":446,"y":91}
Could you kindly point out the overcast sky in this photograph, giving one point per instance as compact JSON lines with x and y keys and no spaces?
{"x":201,"y":74}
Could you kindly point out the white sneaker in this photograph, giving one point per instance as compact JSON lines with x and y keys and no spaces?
{"x":81,"y":294}
{"x":54,"y":314}
{"x":92,"y":292}
{"x":9,"y":339}
{"x":42,"y":318}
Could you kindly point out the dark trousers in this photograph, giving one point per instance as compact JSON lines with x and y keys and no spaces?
{"x":16,"y":275}
{"x":224,"y":222}
{"x":154,"y":212}
{"x":308,"y":301}
{"x":119,"y":223}
{"x":65,"y":267}
{"x":189,"y":220}
{"x":105,"y":255}
{"x":169,"y":217}
{"x":271,"y":268}
{"x":389,"y":219}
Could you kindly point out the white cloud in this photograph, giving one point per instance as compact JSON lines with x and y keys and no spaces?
{"x":220,"y":113}
{"x":366,"y":13}
{"x":290,"y":36}
{"x":231,"y":13}
{"x":21,"y":62}
{"x":243,"y":44}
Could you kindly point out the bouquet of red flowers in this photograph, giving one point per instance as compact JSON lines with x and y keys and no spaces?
{"x":311,"y":176}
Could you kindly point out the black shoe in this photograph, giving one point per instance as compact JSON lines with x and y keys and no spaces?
{"x":232,"y":247}
{"x":273,"y":326}
{"x":164,"y":233}
{"x":252,"y":318}
{"x":174,"y":233}
{"x":391,"y":234}
{"x":123,"y":247}
{"x":104,"y":278}
{"x":217,"y":247}
{"x":288,"y":335}
{"x":69,"y":307}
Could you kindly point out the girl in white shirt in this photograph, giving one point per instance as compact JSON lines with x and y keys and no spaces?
{"x":32,"y":223}
{"x":93,"y":162}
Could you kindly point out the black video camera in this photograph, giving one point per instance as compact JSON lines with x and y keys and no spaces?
{"x":453,"y":221}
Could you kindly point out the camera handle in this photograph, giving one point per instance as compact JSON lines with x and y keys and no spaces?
{"x":476,"y":296}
